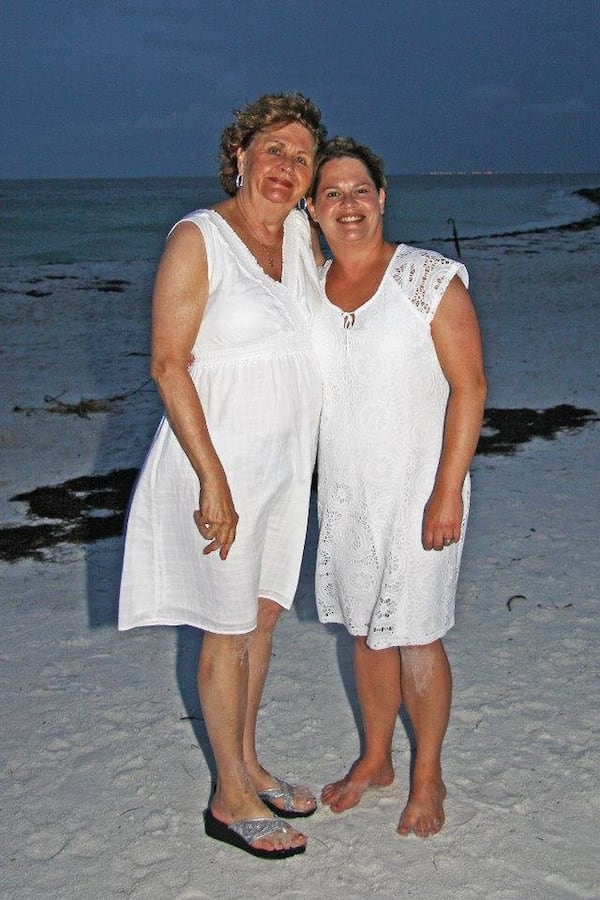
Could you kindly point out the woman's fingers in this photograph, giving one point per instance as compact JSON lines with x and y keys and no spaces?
{"x":220,"y":534}
{"x":438,"y":536}
{"x":442,"y":520}
{"x":440,"y":542}
{"x":437,"y":543}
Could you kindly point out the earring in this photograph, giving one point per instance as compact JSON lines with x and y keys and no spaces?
{"x":239,"y":180}
{"x":301,"y":204}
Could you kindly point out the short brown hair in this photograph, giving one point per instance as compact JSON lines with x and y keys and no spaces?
{"x":343,"y":147}
{"x":268,"y":110}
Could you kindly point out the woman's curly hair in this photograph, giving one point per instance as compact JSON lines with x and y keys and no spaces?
{"x":268,"y":110}
{"x":343,"y":147}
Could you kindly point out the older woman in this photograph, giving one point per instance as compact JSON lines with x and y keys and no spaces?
{"x":217,"y":523}
{"x":404,"y":389}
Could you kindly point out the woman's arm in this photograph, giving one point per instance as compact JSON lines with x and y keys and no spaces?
{"x":457,"y":341}
{"x":178,"y":304}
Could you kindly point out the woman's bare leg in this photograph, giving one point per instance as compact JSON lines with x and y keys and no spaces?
{"x":223,"y":679}
{"x":259,"y":654}
{"x":377,"y":677}
{"x":427,"y":695}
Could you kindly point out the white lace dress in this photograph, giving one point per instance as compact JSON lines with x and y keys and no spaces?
{"x":384,"y":400}
{"x":260,"y":387}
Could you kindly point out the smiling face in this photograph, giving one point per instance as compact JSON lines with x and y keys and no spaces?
{"x":278,"y":163}
{"x":347,"y":204}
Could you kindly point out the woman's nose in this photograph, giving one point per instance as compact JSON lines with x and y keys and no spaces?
{"x":286,"y":162}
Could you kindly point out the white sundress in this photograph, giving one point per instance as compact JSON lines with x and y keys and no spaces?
{"x":260,"y":388}
{"x":384,"y":402}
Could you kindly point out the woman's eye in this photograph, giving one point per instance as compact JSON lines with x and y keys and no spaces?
{"x":301,"y":160}
{"x":274,"y":150}
{"x":331,"y":195}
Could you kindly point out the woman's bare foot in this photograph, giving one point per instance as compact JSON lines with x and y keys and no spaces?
{"x":423,"y":815}
{"x":348,"y":791}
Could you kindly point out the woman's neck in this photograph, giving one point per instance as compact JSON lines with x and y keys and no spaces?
{"x":353,"y":260}
{"x":356,"y":273}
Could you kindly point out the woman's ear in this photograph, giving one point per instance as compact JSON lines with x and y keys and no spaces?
{"x":311,"y":208}
{"x":382,"y":200}
{"x":240,"y":156}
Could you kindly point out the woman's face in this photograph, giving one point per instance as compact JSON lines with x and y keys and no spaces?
{"x":278,"y":163}
{"x":347,"y":205}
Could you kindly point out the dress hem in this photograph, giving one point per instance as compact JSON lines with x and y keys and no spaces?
{"x":420,"y":640}
{"x":176,"y":620}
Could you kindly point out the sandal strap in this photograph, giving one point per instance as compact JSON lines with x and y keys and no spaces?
{"x":251,"y":830}
{"x":284,"y":792}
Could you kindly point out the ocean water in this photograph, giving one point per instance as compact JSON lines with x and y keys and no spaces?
{"x":88,"y":220}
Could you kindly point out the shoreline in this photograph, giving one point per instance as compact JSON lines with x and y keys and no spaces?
{"x":148,"y":250}
{"x":588,"y":223}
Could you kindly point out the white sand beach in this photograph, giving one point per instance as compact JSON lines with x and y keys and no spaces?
{"x":105,"y":768}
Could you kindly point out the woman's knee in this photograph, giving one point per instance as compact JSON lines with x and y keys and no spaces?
{"x":268,"y":614}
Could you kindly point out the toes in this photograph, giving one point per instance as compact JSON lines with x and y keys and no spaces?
{"x":330,"y":793}
{"x":422,"y":829}
{"x":284,"y":839}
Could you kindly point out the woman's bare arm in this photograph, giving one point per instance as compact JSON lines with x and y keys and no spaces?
{"x":457,"y":341}
{"x":178,"y":304}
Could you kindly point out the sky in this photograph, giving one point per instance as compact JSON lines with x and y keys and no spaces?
{"x":132,"y":88}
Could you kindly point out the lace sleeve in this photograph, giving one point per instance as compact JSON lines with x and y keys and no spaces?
{"x":423,"y":277}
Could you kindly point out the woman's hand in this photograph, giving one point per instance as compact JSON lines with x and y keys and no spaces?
{"x":442,"y":520}
{"x":216,"y":518}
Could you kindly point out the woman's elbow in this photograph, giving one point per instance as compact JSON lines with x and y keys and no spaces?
{"x":479,"y":391}
{"x":157,"y":369}
{"x":482,"y":387}
{"x":164,"y":369}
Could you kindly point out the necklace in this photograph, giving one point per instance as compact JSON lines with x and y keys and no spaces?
{"x":270,"y":252}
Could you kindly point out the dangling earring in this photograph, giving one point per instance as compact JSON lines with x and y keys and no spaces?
{"x":239,"y":180}
{"x":301,"y":204}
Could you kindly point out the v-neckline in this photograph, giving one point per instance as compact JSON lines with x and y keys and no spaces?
{"x":232,"y":233}
{"x":370,"y":300}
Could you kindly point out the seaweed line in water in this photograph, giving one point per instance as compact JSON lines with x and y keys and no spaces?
{"x":83,"y":408}
{"x":588,"y":223}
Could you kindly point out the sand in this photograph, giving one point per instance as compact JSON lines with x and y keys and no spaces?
{"x":105,"y":767}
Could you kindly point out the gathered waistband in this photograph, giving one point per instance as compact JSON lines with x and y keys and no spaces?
{"x":278,"y":345}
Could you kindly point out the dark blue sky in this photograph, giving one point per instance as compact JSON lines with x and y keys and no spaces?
{"x":144,"y":87}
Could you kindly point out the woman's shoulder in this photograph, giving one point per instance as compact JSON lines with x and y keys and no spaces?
{"x":422,"y":275}
{"x":200,"y":217}
{"x":297,"y":222}
{"x":406,"y":253}
{"x":414,"y":264}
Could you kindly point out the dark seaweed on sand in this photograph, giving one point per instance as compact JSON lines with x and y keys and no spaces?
{"x":505,"y":429}
{"x":82,"y":510}
{"x":92,"y":507}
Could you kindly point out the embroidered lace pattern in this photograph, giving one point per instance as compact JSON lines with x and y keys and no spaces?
{"x":381,"y":433}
